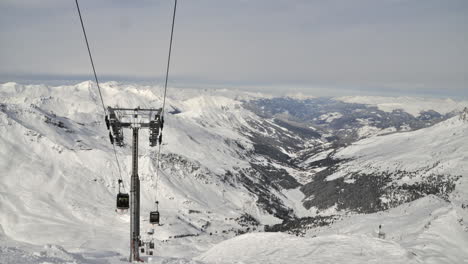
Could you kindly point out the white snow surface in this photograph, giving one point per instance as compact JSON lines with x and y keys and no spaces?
{"x":429,"y":229}
{"x":437,"y":150}
{"x":329,"y":117}
{"x":57,"y":191}
{"x":411,"y":105}
{"x":440,"y":149}
{"x":59,"y":183}
{"x":283,"y":248}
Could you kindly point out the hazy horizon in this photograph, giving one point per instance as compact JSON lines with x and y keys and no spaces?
{"x":389,"y":47}
{"x":268,"y":89}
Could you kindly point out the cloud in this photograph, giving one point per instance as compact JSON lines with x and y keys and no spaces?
{"x":413,"y":44}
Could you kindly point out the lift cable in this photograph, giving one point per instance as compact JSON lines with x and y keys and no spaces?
{"x":164,"y":97}
{"x":97,"y":83}
{"x":169,"y":56}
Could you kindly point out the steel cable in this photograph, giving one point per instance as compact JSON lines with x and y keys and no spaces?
{"x":164,"y":97}
{"x":98,"y":86}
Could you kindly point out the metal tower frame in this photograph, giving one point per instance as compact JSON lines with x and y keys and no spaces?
{"x":135,"y":119}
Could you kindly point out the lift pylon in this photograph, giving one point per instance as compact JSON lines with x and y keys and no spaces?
{"x":135,"y":119}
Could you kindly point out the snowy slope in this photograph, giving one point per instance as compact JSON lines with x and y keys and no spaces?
{"x":437,"y":150}
{"x":49,"y":189}
{"x":442,"y":143}
{"x":283,"y":248}
{"x":428,"y":228}
{"x":433,"y":228}
{"x":404,"y":165}
{"x":424,"y":231}
{"x":412,"y":105}
{"x":59,"y":177}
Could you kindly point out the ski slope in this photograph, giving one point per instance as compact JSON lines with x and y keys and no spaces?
{"x":283,"y":248}
{"x":423,"y":231}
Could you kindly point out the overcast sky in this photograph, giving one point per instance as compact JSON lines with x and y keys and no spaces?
{"x":324,"y":47}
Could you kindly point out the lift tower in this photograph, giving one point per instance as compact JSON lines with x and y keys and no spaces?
{"x":135,"y":119}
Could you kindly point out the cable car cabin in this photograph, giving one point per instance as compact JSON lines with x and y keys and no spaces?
{"x":154,"y":217}
{"x":123,"y":201}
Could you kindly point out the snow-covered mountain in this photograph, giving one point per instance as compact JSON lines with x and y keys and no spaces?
{"x":396,"y":168}
{"x":412,"y":105}
{"x":232,"y":163}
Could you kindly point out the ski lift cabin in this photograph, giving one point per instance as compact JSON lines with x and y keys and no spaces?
{"x":154,"y":218}
{"x":123,"y":199}
{"x":154,"y":215}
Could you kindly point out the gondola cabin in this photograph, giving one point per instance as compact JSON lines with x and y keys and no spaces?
{"x":154,"y":218}
{"x":123,"y":201}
